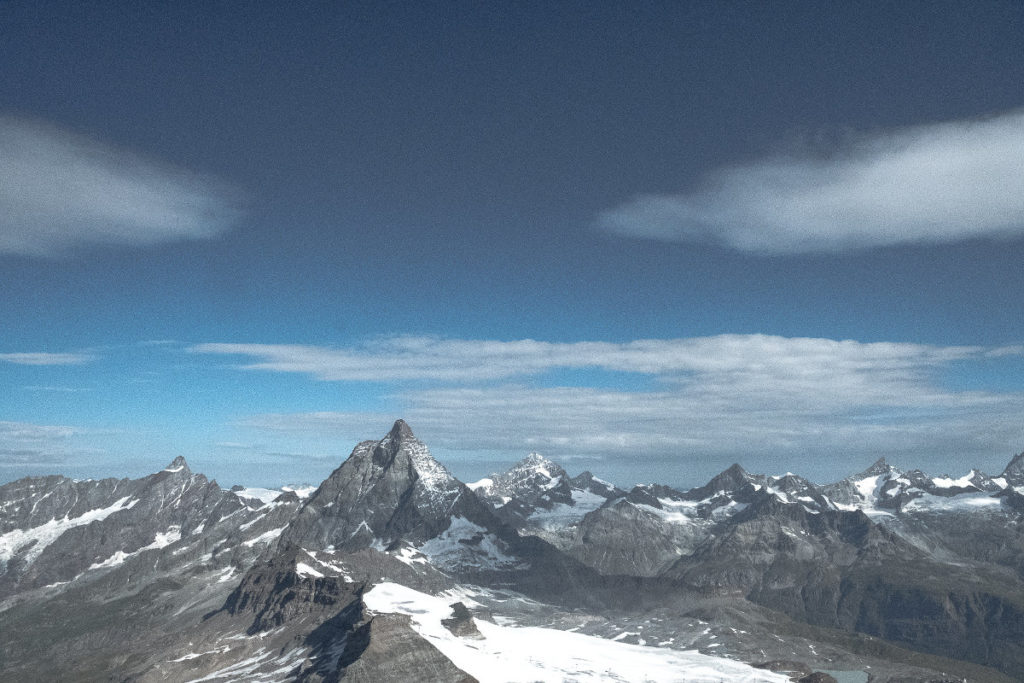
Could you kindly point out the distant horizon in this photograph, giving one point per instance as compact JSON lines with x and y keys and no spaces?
{"x":474,"y":465}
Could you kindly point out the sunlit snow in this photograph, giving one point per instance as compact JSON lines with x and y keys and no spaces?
{"x":162,"y":540}
{"x":303,"y":569}
{"x":508,"y":653}
{"x":946,"y":483}
{"x":45,"y":534}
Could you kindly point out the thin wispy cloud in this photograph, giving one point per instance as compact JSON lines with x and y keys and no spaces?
{"x":234,"y":445}
{"x":467,"y":360}
{"x":730,"y":394}
{"x":939,"y":183}
{"x":41,"y":358}
{"x":23,"y":444}
{"x":25,"y":432}
{"x":687,"y":423}
{"x":54,"y":389}
{"x":60,"y":190}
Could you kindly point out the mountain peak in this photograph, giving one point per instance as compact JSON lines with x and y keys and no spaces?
{"x":178,"y":465}
{"x":534,"y":468}
{"x":730,"y":480}
{"x":880,"y":466}
{"x":529,"y":478}
{"x":1014,"y":472}
{"x":401,"y":431}
{"x":736,"y":470}
{"x":733,"y":477}
{"x":538,"y":463}
{"x":386,"y":490}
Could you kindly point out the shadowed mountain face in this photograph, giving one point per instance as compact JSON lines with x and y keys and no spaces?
{"x":170,"y":577}
{"x":1014,"y":472}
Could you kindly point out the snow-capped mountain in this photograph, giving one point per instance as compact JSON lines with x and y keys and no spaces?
{"x":530,"y":478}
{"x":392,"y":569}
{"x":53,"y":529}
{"x":393,"y":495}
{"x":538,"y":497}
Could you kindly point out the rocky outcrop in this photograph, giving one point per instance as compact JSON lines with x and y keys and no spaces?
{"x":1014,"y":471}
{"x":275,"y":593}
{"x":388,"y":649}
{"x":461,"y":623}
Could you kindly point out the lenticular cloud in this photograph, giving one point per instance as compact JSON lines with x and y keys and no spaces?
{"x":939,"y":183}
{"x":59,"y":190}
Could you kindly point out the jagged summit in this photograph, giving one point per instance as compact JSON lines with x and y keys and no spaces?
{"x":178,"y":465}
{"x":535,"y":459}
{"x":879,"y":467}
{"x":1014,"y":472}
{"x":401,"y":430}
{"x":535,"y":464}
{"x":527,"y":479}
{"x":731,"y":480}
{"x":586,"y":481}
{"x":735,"y":472}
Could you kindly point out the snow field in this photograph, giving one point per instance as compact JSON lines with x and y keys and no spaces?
{"x":510,"y":653}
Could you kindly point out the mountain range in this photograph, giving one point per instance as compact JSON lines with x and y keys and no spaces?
{"x":394,"y":570}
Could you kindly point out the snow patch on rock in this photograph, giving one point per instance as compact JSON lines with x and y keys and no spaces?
{"x":39,"y":537}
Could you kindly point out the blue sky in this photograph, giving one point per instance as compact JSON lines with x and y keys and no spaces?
{"x":646,"y":241}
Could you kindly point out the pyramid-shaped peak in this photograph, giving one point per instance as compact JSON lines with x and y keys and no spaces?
{"x":734,"y":475}
{"x":401,"y":431}
{"x":385,"y":491}
{"x":1014,"y":472}
{"x":399,"y":439}
{"x":879,"y":467}
{"x":533,"y":465}
{"x":178,"y":465}
{"x":402,"y":450}
{"x":537,"y":461}
{"x":730,"y":480}
{"x":736,"y":470}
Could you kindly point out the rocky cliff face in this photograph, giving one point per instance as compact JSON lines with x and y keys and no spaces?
{"x":624,"y":538}
{"x":1014,"y":472}
{"x":54,"y":529}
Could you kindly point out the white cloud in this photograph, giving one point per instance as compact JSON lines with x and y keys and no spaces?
{"x":938,"y":183}
{"x":739,"y":396}
{"x":39,"y":358}
{"x":53,"y":388}
{"x":25,"y":432}
{"x":31,"y":448}
{"x":710,"y":421}
{"x":23,"y":444}
{"x":60,"y":190}
{"x":465,"y":360}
